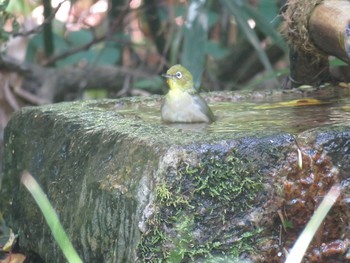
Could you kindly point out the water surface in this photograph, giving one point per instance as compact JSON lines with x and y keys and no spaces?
{"x":245,"y":116}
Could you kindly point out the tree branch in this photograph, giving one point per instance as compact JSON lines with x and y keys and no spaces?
{"x":39,"y":28}
{"x":52,"y":85}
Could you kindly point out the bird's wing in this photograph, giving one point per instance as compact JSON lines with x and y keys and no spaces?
{"x":203,"y":106}
{"x":192,"y":91}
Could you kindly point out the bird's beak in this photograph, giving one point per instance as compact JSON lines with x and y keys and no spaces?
{"x":168,"y":76}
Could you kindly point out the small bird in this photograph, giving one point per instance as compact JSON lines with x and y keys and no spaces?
{"x":183,"y":103}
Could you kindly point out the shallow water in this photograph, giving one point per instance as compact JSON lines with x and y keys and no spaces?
{"x":255,"y":116}
{"x":293,"y":119}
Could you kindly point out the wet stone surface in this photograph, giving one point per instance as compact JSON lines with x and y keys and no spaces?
{"x":128,"y":188}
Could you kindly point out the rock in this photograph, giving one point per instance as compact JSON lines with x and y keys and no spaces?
{"x":129,"y":190}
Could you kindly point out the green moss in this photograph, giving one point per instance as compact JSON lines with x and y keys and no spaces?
{"x":182,"y":242}
{"x":195,"y":205}
{"x":245,"y":243}
{"x":229,"y":182}
{"x":167,"y":197}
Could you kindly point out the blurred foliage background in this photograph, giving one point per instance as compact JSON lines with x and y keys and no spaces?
{"x":231,"y":41}
{"x":75,"y":49}
{"x":60,"y":50}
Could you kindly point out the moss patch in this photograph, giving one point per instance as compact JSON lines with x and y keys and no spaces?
{"x":196,"y":210}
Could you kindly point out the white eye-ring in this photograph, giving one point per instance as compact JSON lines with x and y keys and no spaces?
{"x":178,"y":75}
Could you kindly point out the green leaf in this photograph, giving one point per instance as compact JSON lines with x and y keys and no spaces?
{"x":235,"y":8}
{"x":79,"y":38}
{"x":265,"y":26}
{"x":154,"y":84}
{"x":4,"y":4}
{"x":195,"y":37}
{"x":32,"y":48}
{"x":268,"y":9}
{"x":288,"y":224}
{"x":72,"y":59}
{"x":22,"y":7}
{"x":96,"y":55}
{"x":336,"y":62}
{"x":215,"y":50}
{"x":213,"y":18}
{"x":35,"y":45}
{"x":104,"y":54}
{"x":266,"y":76}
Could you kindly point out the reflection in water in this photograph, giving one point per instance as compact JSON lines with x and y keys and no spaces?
{"x":248,"y":116}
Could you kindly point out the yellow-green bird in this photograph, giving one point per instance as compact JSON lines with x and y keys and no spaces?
{"x":183,"y":103}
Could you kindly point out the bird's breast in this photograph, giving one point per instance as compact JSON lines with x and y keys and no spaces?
{"x":182,"y":107}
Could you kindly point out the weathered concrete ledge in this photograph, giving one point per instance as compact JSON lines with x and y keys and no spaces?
{"x":127,"y":190}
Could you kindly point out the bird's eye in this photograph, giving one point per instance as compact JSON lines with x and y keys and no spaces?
{"x":178,"y":75}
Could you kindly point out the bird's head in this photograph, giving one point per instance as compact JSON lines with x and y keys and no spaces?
{"x":179,"y":78}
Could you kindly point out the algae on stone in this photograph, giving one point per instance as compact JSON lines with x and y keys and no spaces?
{"x":197,"y":195}
{"x":127,"y":190}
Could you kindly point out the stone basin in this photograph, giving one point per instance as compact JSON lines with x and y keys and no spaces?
{"x":129,"y":188}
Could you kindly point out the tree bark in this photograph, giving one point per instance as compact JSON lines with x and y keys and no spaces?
{"x":51,"y":85}
{"x":328,"y":28}
{"x":316,"y":30}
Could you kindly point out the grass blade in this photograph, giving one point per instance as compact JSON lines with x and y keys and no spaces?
{"x":51,"y":218}
{"x":301,"y":245}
